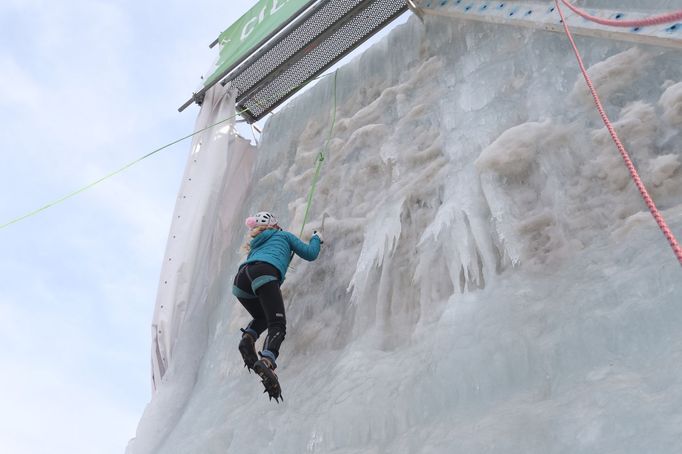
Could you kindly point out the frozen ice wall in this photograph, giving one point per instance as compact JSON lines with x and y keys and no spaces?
{"x":490,"y":281}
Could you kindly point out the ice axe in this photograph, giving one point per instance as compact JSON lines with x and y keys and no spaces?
{"x":325,"y":215}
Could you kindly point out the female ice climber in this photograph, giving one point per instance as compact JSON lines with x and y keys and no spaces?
{"x":256,"y":286}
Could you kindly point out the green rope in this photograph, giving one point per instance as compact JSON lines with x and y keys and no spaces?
{"x":115,"y":172}
{"x":320,"y":159}
{"x":125,"y":167}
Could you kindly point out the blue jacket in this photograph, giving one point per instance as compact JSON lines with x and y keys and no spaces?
{"x":275,"y":247}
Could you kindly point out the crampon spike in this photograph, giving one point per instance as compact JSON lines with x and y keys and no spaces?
{"x":269,"y":381}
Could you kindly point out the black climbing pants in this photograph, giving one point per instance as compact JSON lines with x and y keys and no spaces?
{"x":266,"y":307}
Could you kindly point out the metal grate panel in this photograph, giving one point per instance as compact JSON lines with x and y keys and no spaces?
{"x":330,"y":30}
{"x":355,"y":29}
{"x":330,"y":13}
{"x":315,"y":39}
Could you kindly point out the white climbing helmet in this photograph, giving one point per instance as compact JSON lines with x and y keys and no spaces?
{"x":261,"y":218}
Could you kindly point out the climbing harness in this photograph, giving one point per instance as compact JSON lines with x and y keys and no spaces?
{"x":621,"y":148}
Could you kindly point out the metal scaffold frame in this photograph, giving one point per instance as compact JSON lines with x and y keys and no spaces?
{"x":324,"y":31}
{"x":309,"y":44}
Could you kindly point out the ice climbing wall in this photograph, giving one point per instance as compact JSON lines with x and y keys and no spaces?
{"x":490,"y":280}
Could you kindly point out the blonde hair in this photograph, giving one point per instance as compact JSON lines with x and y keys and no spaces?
{"x":254,"y":232}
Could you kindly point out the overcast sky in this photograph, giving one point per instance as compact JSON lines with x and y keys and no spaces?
{"x":86,"y":87}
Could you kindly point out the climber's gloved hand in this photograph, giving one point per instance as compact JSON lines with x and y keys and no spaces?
{"x":319,"y":235}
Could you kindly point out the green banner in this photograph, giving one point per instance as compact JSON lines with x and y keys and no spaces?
{"x":243,"y":36}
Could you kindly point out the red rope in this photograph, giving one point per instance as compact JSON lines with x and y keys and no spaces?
{"x":655,"y":20}
{"x":626,"y":157}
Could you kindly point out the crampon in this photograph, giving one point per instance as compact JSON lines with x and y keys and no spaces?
{"x":269,"y":380}
{"x":248,"y":350}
